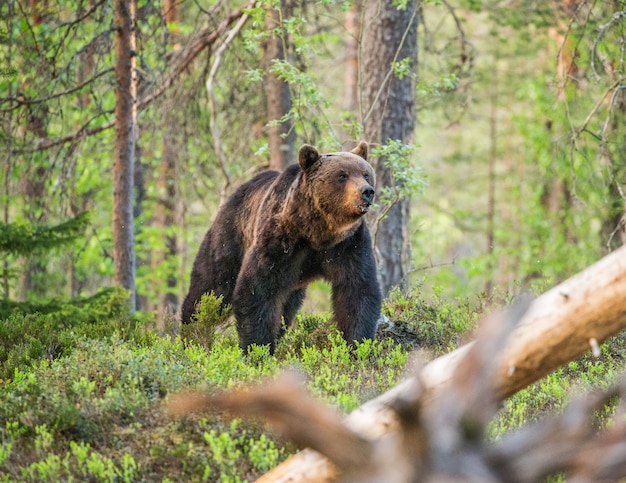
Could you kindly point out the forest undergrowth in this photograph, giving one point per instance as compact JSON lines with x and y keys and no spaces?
{"x":82,"y":390}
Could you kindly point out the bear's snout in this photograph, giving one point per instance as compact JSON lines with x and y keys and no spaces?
{"x":367,"y":194}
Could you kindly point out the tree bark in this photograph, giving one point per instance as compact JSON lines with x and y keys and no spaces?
{"x":35,"y":179}
{"x":351,"y":80}
{"x":493,"y":159}
{"x":124,"y":150}
{"x":167,"y":187}
{"x":281,"y":135}
{"x":559,"y":326}
{"x":388,"y":102}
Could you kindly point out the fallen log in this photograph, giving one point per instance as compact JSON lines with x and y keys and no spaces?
{"x":560,"y":325}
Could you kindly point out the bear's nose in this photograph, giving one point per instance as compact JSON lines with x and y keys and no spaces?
{"x":367,"y":194}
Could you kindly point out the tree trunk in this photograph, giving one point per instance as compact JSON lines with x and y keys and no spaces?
{"x":282,"y":136}
{"x":34,"y":182}
{"x":351,"y":81}
{"x":34,"y":192}
{"x":124,"y":150}
{"x":559,"y":326}
{"x":388,"y":102}
{"x":167,"y":187}
{"x":557,"y":195}
{"x":80,"y":201}
{"x":493,"y":159}
{"x":613,"y":229}
{"x":165,"y":219}
{"x":142,"y":302}
{"x":9,"y":161}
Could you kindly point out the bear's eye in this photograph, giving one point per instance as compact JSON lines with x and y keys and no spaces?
{"x":366,"y":177}
{"x":343,"y":177}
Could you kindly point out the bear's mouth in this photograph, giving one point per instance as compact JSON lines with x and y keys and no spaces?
{"x":364,"y":207}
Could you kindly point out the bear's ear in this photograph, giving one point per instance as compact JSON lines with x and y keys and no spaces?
{"x":361,"y":150}
{"x":307,"y":156}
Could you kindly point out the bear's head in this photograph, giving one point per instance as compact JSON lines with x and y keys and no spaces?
{"x":341,"y":185}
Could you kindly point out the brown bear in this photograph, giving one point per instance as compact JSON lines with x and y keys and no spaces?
{"x":281,"y":230}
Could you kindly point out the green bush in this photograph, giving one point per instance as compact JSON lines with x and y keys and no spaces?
{"x":31,"y":332}
{"x":209,"y":319}
{"x":437,"y":325}
{"x":552,"y":393}
{"x":96,"y":414}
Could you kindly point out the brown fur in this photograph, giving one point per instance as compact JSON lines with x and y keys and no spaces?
{"x":278,"y":232}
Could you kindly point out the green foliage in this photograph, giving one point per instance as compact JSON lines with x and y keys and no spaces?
{"x":373,"y":367}
{"x":345,"y":376}
{"x":400,"y":4}
{"x":32,"y":332}
{"x":95,"y":412}
{"x":552,"y":393}
{"x":36,"y":242}
{"x":407,"y":179}
{"x":230,"y":451}
{"x":427,"y":91}
{"x":208,"y":319}
{"x":23,"y":238}
{"x":402,"y":68}
{"x":81,"y":386}
{"x":550,"y":136}
{"x":437,"y":325}
{"x":82,"y":462}
{"x":541,"y":145}
{"x":310,"y":330}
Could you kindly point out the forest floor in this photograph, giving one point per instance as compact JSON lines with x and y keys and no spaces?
{"x":85,"y":400}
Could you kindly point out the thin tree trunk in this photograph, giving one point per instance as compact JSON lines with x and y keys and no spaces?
{"x":557,"y":195}
{"x":8,"y":167}
{"x":34,"y":184}
{"x":281,"y":134}
{"x":388,"y":103}
{"x":80,"y":202}
{"x":124,"y":151}
{"x":139,"y":195}
{"x":560,"y":325}
{"x":33,"y":190}
{"x":613,"y":229}
{"x":351,"y":80}
{"x":493,"y":154}
{"x":167,"y":188}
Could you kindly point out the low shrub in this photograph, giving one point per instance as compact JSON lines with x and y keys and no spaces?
{"x":31,"y":332}
{"x":436,"y":324}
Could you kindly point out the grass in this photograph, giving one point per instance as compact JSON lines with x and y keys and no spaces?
{"x":551,"y":394}
{"x":94,"y":411}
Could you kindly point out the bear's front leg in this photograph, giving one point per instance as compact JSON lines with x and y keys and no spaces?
{"x":356,"y":308}
{"x":260,"y":294}
{"x":357,"y":298}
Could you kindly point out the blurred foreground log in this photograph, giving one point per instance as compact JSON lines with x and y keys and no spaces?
{"x":559,"y":326}
{"x":431,"y":427}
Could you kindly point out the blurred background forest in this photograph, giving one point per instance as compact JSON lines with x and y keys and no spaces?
{"x":509,"y":170}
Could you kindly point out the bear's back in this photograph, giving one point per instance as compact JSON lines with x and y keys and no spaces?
{"x":245,"y":204}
